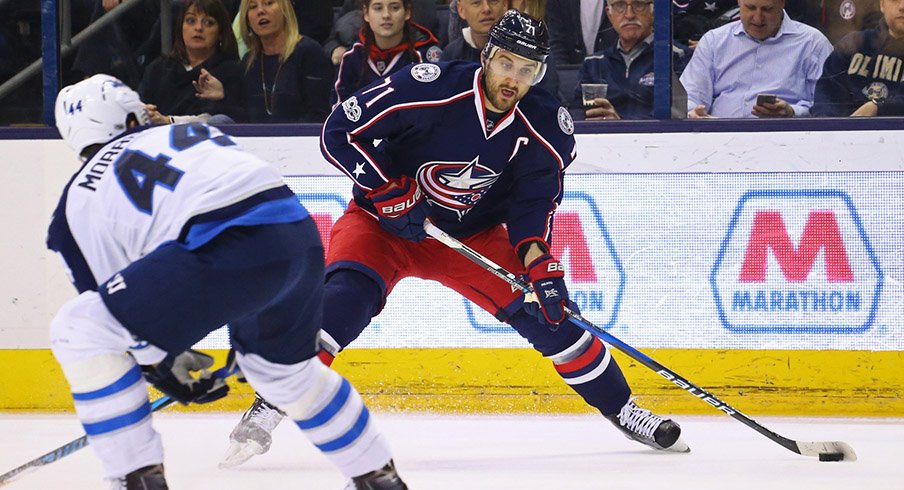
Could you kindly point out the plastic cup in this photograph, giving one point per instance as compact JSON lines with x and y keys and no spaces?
{"x":592,"y":91}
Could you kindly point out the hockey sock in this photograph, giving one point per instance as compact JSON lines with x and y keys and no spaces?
{"x":339,"y":424}
{"x":326,"y":407}
{"x":111,"y":400}
{"x":580,"y":358}
{"x":588,"y":367}
{"x":109,"y":391}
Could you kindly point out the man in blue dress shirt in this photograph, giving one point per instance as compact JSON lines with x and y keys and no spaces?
{"x":765,"y":53}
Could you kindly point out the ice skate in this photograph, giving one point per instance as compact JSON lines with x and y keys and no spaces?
{"x":651,"y":429}
{"x":147,"y":478}
{"x":385,"y":478}
{"x":252,"y":436}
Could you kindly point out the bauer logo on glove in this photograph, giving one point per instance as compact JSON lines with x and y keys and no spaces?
{"x":547,"y":276}
{"x":555,"y":267}
{"x":401,"y":207}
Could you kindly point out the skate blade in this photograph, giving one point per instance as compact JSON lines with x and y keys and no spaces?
{"x":237,"y":453}
{"x":679,"y":447}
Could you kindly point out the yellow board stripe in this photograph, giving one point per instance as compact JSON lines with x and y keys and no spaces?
{"x":849,"y":383}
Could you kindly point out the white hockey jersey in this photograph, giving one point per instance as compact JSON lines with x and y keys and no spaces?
{"x":154,"y":185}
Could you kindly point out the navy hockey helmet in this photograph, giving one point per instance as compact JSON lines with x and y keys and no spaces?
{"x":522,"y":35}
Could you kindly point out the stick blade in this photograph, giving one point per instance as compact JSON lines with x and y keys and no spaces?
{"x":828,"y":451}
{"x":15,"y":474}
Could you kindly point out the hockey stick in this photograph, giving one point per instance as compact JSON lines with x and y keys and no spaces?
{"x":825,"y":451}
{"x":73,"y":446}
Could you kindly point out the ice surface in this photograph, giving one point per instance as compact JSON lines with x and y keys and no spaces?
{"x":438,"y":452}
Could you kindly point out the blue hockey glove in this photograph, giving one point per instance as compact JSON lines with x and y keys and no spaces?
{"x":173,"y":377}
{"x":547,"y":276}
{"x":402,"y":208}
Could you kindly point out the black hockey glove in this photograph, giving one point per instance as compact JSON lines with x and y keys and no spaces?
{"x":173,"y":377}
{"x":402,"y":208}
{"x":547,"y":276}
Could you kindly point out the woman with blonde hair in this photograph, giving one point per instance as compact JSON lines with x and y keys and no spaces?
{"x":287,"y":75}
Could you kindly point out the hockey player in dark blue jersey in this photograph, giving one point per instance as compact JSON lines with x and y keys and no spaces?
{"x":170,"y":232}
{"x":473,"y":147}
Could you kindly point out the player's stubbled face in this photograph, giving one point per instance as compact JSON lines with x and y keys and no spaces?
{"x":508,"y":78}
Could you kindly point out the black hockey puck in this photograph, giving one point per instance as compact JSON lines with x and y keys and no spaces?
{"x":831,"y":456}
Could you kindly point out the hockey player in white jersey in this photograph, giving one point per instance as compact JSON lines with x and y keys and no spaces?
{"x":170,"y":232}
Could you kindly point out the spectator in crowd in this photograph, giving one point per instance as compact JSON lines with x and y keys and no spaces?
{"x":204,"y":45}
{"x":480,"y":16}
{"x":862,"y":76}
{"x":764,"y":53}
{"x":387,"y":42}
{"x":626,"y":67}
{"x":577,"y":29}
{"x":287,"y":75}
{"x":348,"y":26}
{"x":838,"y":18}
{"x":125,"y":47}
{"x":533,"y":8}
{"x":316,"y":21}
{"x":691,"y":19}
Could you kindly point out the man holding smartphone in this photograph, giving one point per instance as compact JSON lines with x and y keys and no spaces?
{"x":764,"y":65}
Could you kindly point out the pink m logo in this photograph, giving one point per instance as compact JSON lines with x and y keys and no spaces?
{"x":820,"y":232}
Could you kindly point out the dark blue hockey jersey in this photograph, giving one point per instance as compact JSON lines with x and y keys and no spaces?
{"x":865,"y":65}
{"x":360,"y":66}
{"x":429,"y":122}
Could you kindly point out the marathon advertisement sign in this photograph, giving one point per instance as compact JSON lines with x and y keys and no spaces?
{"x":796,"y":261}
{"x":710,"y":261}
{"x":723,"y":239}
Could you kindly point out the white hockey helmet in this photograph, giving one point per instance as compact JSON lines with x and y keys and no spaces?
{"x":96,"y":110}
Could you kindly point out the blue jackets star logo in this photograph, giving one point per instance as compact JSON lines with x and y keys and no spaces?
{"x":456,"y":186}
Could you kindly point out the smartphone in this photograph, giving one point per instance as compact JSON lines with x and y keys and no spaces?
{"x":765,"y":99}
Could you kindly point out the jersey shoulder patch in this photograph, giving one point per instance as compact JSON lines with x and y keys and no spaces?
{"x":425,"y":72}
{"x":566,"y":123}
{"x":352,"y":109}
{"x":433,"y":53}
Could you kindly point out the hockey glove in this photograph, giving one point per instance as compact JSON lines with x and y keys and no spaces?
{"x":402,"y":208}
{"x":547,"y":276}
{"x":173,"y":377}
